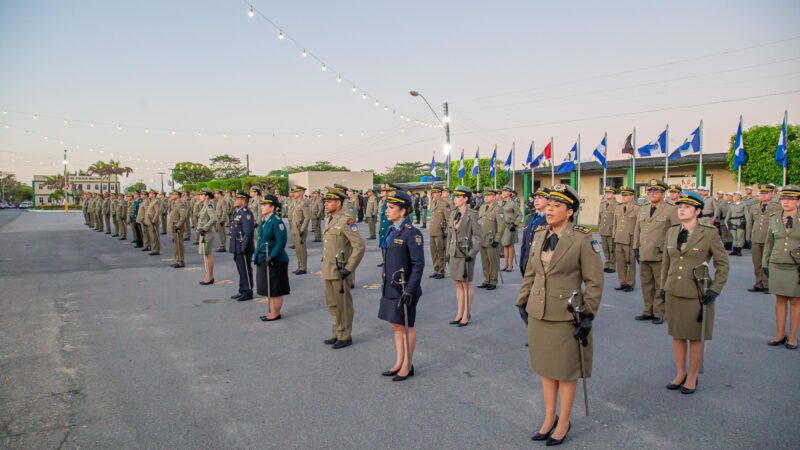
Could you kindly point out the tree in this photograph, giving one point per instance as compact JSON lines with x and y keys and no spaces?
{"x":138,"y":186}
{"x":114,"y":168}
{"x":227,"y":166}
{"x":319,"y":166}
{"x":759,"y":144}
{"x":404,"y":172}
{"x":56,"y":196}
{"x":100,"y":169}
{"x":188,"y":172}
{"x":472,"y":181}
{"x":55,"y":182}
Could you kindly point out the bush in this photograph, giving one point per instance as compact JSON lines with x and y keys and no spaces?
{"x":759,"y":144}
{"x":58,"y":207}
{"x":268,"y":183}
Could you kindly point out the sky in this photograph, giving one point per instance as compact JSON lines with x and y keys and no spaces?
{"x":114,"y":79}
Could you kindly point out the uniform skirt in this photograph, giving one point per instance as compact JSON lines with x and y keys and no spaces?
{"x":509,"y":237}
{"x":682,"y":315}
{"x":457,"y":265}
{"x":783,"y":280}
{"x":207,"y":241}
{"x":278,"y":279}
{"x":391,"y":311}
{"x":554,"y":350}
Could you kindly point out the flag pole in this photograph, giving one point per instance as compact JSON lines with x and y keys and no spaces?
{"x":578,"y":179}
{"x":786,"y":138}
{"x":533,"y":174}
{"x":478,"y":155}
{"x":605,"y":139}
{"x":513,"y":165}
{"x":552,"y":165}
{"x":633,"y":162}
{"x":701,"y":176}
{"x":666,"y":155}
{"x":495,"y":166}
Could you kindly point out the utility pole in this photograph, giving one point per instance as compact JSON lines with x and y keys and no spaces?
{"x":247,"y":163}
{"x":66,"y":184}
{"x":162,"y":180}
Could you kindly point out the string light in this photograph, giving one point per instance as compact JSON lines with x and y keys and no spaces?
{"x":119,"y":127}
{"x":280,"y":35}
{"x":339,"y":79}
{"x":305,"y":53}
{"x":251,"y":13}
{"x":324,"y":68}
{"x":363,"y":96}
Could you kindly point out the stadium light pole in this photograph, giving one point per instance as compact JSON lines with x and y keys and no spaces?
{"x":445,"y":123}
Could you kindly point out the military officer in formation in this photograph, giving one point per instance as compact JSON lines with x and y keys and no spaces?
{"x":317,"y":215}
{"x":652,"y":223}
{"x":384,"y":223}
{"x":510,"y":214}
{"x":221,"y":210}
{"x":757,"y":230}
{"x":440,"y":216}
{"x":535,"y":218}
{"x":371,"y":213}
{"x":464,"y":241}
{"x":710,"y":207}
{"x":152,"y":220}
{"x":605,"y":227}
{"x":624,"y":226}
{"x":242,"y":244}
{"x":782,"y":265}
{"x":178,"y":213}
{"x":492,"y":226}
{"x":735,"y":223}
{"x":342,"y":251}
{"x":674,"y":193}
{"x":254,"y":204}
{"x":207,"y":223}
{"x":299,"y":219}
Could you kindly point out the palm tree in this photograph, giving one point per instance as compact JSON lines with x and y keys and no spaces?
{"x":116,"y":169}
{"x":99,"y":168}
{"x":55,"y":182}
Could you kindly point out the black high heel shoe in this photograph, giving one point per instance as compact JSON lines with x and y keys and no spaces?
{"x":455,"y":322}
{"x":390,"y":373}
{"x":777,"y":343}
{"x":687,"y":391}
{"x":675,"y":387}
{"x":543,"y":437}
{"x":402,"y":377}
{"x":551,"y":441}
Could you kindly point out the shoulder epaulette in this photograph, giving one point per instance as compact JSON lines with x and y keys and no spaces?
{"x":541,"y":228}
{"x":676,"y":225}
{"x":581,"y":229}
{"x":773,"y":213}
{"x":707,"y":226}
{"x":408,"y":225}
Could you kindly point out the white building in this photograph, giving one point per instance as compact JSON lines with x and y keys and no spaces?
{"x":77,"y":185}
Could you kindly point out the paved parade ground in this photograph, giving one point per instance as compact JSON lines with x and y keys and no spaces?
{"x":103,"y":346}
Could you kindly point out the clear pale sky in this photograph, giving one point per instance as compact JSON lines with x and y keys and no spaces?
{"x":512,"y":72}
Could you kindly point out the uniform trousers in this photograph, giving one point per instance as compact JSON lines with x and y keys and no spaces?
{"x":221,"y":232}
{"x":371,"y":226}
{"x":650,"y":276}
{"x":317,"y":224}
{"x":244,"y":265}
{"x":490,"y":264}
{"x":757,"y":250}
{"x":300,"y":250}
{"x":626,"y":264}
{"x":437,"y":253}
{"x":107,"y":218}
{"x":424,"y":217}
{"x":337,"y":303}
{"x":608,"y":252}
{"x":177,"y":246}
{"x":155,"y":240}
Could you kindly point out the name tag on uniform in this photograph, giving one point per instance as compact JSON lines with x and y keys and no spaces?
{"x":698,"y":250}
{"x":398,"y":241}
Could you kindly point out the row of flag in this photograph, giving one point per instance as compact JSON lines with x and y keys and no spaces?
{"x":691,"y":145}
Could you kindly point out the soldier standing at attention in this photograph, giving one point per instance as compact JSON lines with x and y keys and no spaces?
{"x":188,"y":199}
{"x":317,"y":215}
{"x":624,"y":225}
{"x":199,"y":200}
{"x":299,"y":219}
{"x":423,"y":205}
{"x":177,"y":218}
{"x":757,"y":230}
{"x":242,"y":244}
{"x":736,"y":224}
{"x":164,"y":206}
{"x":107,"y":211}
{"x":152,"y":219}
{"x":272,"y":274}
{"x":605,"y":226}
{"x":492,"y":225}
{"x":122,"y":225}
{"x":371,"y":212}
{"x":440,"y":216}
{"x":140,"y":222}
{"x":138,"y":239}
{"x":510,"y":214}
{"x":113,"y":214}
{"x":674,"y":192}
{"x":221,"y":210}
{"x":254,"y":204}
{"x":464,"y":234}
{"x":85,"y":211}
{"x":648,"y":247}
{"x":564,"y":259}
{"x":535,"y":218}
{"x":342,"y":250}
{"x":688,"y":245}
{"x":710,"y":208}
{"x":725,"y":232}
{"x":386,"y":190}
{"x":782,"y":265}
{"x":207,"y":222}
{"x":98,"y":213}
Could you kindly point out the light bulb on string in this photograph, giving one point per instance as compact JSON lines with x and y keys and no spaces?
{"x":339,"y":79}
{"x":173,"y":132}
{"x":280,"y":35}
{"x":386,"y":108}
{"x":363,"y":96}
{"x":324,"y":68}
{"x":66,"y":121}
{"x":91,"y":125}
{"x":146,"y":130}
{"x":377,"y":103}
{"x":305,"y":53}
{"x":119,"y":127}
{"x":35,"y":116}
{"x":251,"y":13}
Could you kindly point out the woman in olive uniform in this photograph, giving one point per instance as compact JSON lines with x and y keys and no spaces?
{"x":689,"y":245}
{"x":563,"y":259}
{"x":272,"y":262}
{"x":464,"y":234}
{"x":782,"y":266}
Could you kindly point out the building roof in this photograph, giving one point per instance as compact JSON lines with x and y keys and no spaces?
{"x":643,"y":163}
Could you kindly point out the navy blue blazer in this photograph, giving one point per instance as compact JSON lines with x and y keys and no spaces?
{"x":403,"y":251}
{"x":534,"y":220}
{"x":242,"y":229}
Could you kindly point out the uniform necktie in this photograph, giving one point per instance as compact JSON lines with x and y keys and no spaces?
{"x":550,"y":243}
{"x":763,"y":208}
{"x":682,"y":236}
{"x":652,"y":210}
{"x":624,"y":209}
{"x":789,"y":222}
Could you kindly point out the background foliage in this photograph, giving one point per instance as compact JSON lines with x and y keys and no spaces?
{"x":759,"y":144}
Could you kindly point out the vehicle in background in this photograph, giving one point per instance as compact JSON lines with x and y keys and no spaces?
{"x":25,"y":205}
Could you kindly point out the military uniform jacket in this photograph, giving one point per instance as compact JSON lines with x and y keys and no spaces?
{"x":122,"y":209}
{"x":198,"y":206}
{"x":340,"y":235}
{"x":384,"y":225}
{"x":317,"y":209}
{"x":534,"y":221}
{"x":737,"y":213}
{"x":440,"y":216}
{"x":271,"y":241}
{"x":255,"y":209}
{"x":372,"y":206}
{"x":349,"y":206}
{"x":113,"y":208}
{"x":605,"y":219}
{"x":106,"y":206}
{"x":135,"y":210}
{"x":142,"y":211}
{"x":153,"y":216}
{"x":242,"y":228}
{"x":207,"y":220}
{"x":491,"y":223}
{"x":710,"y":208}
{"x":177,"y":214}
{"x":186,"y":205}
{"x":98,"y":206}
{"x":722,"y":210}
{"x":780,"y":241}
{"x":758,"y":221}
{"x":300,"y":217}
{"x":650,"y":231}
{"x":510,"y":214}
{"x":676,"y":268}
{"x":404,"y":251}
{"x":467,"y":240}
{"x":574,"y":266}
{"x":221,"y":210}
{"x":625,"y":223}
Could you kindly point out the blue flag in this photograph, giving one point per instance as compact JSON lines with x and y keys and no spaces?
{"x":568,"y":165}
{"x":476,"y":163}
{"x":433,"y":166}
{"x":689,"y":146}
{"x":461,"y":166}
{"x":739,"y":155}
{"x":658,"y":145}
{"x":508,"y":163}
{"x":529,"y":159}
{"x":780,"y":150}
{"x":600,"y":153}
{"x":492,"y":163}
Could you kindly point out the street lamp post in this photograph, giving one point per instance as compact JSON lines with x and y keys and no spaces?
{"x":445,"y":124}
{"x":66,"y":184}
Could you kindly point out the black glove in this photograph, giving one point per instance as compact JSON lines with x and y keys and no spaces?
{"x":405,"y":299}
{"x":344,"y":273}
{"x":636,"y":254}
{"x":583,"y":329}
{"x":523,"y":313}
{"x":663,"y":294}
{"x":766,"y":271}
{"x":444,"y":235}
{"x":302,"y":242}
{"x":202,"y":232}
{"x":709,"y":297}
{"x":513,"y":228}
{"x":494,"y":244}
{"x":177,"y":229}
{"x":468,"y":258}
{"x":271,"y":263}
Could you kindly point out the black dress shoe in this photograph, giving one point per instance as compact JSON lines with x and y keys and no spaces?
{"x":675,"y":387}
{"x":145,"y":249}
{"x":628,"y":289}
{"x":462,"y":324}
{"x":551,"y":441}
{"x":122,"y":239}
{"x":644,"y":317}
{"x":404,"y":377}
{"x":330,"y":341}
{"x":300,"y":272}
{"x":380,"y":265}
{"x":114,"y":235}
{"x":455,"y":322}
{"x":482,"y":286}
{"x":777,"y":343}
{"x":342,"y":344}
{"x":543,"y":437}
{"x":221,"y":250}
{"x":658,"y":320}
{"x":236,"y":296}
{"x":267,"y":319}
{"x":195,"y":243}
{"x":620,"y":287}
{"x":174,"y":266}
{"x":687,"y":391}
{"x":490,"y":287}
{"x":206,"y":283}
{"x":790,"y":346}
{"x":154,"y":253}
{"x":439,"y":276}
{"x":245,"y":298}
{"x":756,"y":289}
{"x":390,"y":373}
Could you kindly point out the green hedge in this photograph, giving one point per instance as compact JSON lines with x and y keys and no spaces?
{"x":57,"y":207}
{"x":269,"y":183}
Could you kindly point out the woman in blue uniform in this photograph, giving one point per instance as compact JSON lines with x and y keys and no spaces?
{"x":272,"y":273}
{"x":402,"y":271}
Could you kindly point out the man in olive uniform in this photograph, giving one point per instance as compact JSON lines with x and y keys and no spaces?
{"x":492,"y":225}
{"x":300,"y":219}
{"x":749,"y":200}
{"x":254,"y":204}
{"x":199,"y":202}
{"x":221,"y":210}
{"x":188,"y":199}
{"x":113,"y":214}
{"x":317,"y":215}
{"x":122,"y":222}
{"x":107,"y":212}
{"x":97,"y":209}
{"x":756,"y":231}
{"x":85,"y":211}
{"x":371,"y":212}
{"x":242,"y":245}
{"x":510,"y":214}
{"x":674,"y":193}
{"x":386,"y":191}
{"x":424,"y":202}
{"x":605,"y":226}
{"x":140,"y":219}
{"x":624,"y":225}
{"x":152,"y":220}
{"x":710,"y":207}
{"x":207,"y":223}
{"x":178,"y":212}
{"x":735,"y":222}
{"x":342,"y":250}
{"x":163,"y":207}
{"x":649,"y":233}
{"x":440,"y":216}
{"x":724,"y":201}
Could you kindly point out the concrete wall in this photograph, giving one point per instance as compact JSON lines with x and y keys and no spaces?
{"x":320,"y":180}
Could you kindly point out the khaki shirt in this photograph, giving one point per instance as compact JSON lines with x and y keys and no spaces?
{"x":758,"y":221}
{"x":300,"y":218}
{"x":372,"y":206}
{"x":625,"y":223}
{"x":737,"y":213}
{"x":458,"y":234}
{"x":605,"y":219}
{"x":221,"y":210}
{"x":142,"y":211}
{"x":440,"y":216}
{"x":207,"y":218}
{"x":781,"y":240}
{"x":340,"y":235}
{"x":510,"y":215}
{"x":491,"y":223}
{"x":177,"y":214}
{"x":703,"y":242}
{"x":650,"y":231}
{"x":153,"y":212}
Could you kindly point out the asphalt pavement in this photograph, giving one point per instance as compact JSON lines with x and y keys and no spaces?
{"x":104,"y":346}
